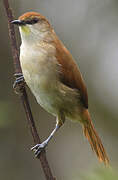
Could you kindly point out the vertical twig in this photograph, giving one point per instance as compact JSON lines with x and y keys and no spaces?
{"x":24,"y":97}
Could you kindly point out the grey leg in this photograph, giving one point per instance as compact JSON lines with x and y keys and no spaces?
{"x":39,"y":147}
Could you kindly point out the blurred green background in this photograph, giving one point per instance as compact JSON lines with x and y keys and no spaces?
{"x":89,"y":29}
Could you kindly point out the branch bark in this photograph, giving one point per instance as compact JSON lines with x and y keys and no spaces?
{"x":24,"y":97}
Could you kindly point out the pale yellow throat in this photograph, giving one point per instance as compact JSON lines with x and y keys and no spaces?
{"x":25,"y":30}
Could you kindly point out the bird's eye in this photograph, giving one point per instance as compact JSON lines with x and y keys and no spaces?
{"x":32,"y":21}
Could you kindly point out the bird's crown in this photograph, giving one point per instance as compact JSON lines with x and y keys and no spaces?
{"x":32,"y":18}
{"x":30,"y":15}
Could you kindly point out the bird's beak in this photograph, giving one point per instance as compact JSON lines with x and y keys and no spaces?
{"x":18,"y":22}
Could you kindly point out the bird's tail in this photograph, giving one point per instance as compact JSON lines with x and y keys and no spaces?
{"x":93,"y":138}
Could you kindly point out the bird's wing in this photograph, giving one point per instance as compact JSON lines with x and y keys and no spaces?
{"x":71,"y":75}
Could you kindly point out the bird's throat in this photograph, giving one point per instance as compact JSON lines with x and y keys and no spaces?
{"x":25,"y":30}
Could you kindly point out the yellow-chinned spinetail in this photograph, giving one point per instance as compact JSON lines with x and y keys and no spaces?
{"x":54,"y":78}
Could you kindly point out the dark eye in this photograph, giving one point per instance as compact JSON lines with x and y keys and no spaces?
{"x":32,"y":21}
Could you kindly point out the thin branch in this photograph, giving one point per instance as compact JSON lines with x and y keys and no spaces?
{"x":24,"y":97}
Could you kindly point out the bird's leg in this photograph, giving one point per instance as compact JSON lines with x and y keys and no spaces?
{"x":39,"y":147}
{"x":19,"y":83}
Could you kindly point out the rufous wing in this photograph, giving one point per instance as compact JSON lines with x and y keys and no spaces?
{"x":71,"y":75}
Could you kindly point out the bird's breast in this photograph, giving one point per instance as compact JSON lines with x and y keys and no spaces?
{"x":38,"y":61}
{"x":41,"y":72}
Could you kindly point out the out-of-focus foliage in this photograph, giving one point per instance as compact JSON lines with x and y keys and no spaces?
{"x":100,"y":174}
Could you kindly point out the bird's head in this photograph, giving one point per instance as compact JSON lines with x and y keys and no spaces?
{"x":32,"y":25}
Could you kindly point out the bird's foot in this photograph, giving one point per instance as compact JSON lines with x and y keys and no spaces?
{"x":38,"y":148}
{"x":19,"y":83}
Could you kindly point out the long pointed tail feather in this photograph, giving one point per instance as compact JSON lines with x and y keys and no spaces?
{"x":93,"y":138}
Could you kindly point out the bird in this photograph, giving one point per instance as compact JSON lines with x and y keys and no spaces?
{"x":54,"y":78}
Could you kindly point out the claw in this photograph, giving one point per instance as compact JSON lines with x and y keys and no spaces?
{"x":35,"y":147}
{"x":38,"y":148}
{"x":19,"y":83}
{"x":38,"y":151}
{"x":18,"y":75}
